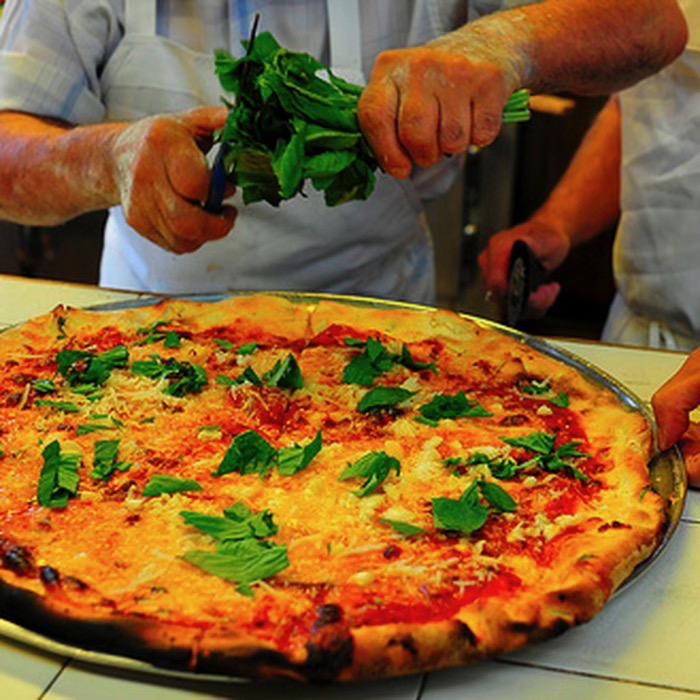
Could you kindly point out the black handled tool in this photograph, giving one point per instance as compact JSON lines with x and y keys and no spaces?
{"x":525,"y":274}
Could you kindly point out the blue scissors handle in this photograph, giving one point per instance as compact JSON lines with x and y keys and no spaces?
{"x":217,"y":184}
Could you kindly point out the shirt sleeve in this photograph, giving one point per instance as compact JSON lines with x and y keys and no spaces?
{"x":51,"y":55}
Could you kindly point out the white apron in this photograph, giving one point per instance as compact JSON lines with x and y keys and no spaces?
{"x":657,"y":246}
{"x":380,"y":247}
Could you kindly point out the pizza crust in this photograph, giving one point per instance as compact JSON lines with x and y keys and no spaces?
{"x":524,"y":577}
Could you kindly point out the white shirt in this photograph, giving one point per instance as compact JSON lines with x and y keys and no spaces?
{"x":73,"y":60}
{"x":657,"y":245}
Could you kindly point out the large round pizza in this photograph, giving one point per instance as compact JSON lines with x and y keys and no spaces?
{"x":312,"y":488}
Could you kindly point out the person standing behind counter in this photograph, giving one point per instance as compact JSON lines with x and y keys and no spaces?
{"x":638,"y":163}
{"x":100,"y":107}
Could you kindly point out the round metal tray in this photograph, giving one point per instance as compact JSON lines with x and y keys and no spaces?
{"x":667,"y":469}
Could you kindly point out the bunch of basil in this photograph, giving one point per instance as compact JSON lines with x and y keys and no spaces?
{"x":292,"y":120}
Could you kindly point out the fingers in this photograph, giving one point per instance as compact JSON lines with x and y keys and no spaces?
{"x":675,"y":399}
{"x":422,"y":103}
{"x":163,"y":179}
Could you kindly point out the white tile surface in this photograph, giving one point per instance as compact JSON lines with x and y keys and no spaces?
{"x":502,"y":681}
{"x":76,"y":683}
{"x":25,"y":673}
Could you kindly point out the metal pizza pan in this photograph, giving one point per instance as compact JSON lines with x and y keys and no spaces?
{"x":667,"y":468}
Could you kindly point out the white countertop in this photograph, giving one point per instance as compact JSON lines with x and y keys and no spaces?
{"x":644,"y":645}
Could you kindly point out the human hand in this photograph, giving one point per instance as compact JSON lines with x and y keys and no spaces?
{"x":163,"y":178}
{"x":675,"y":399}
{"x":549,"y":246}
{"x":424,"y":102}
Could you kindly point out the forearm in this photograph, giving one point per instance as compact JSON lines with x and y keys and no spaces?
{"x":575,"y":45}
{"x":586,"y":200}
{"x":51,"y":172}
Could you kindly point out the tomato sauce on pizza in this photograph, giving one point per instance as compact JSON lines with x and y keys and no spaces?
{"x":266,"y":486}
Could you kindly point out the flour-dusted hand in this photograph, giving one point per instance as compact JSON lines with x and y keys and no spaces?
{"x":53,"y":171}
{"x":424,"y":102}
{"x":163,"y":178}
{"x":448,"y":94}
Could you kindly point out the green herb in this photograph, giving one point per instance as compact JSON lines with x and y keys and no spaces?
{"x":452,"y":406}
{"x":85,"y":371}
{"x":182,"y":377}
{"x":548,"y":457}
{"x":375,"y":360}
{"x":561,"y":400}
{"x":238,"y":522}
{"x":59,"y":479}
{"x":374,"y":468}
{"x":99,"y":423}
{"x":43,"y":386}
{"x":517,"y":108}
{"x":535,"y":387}
{"x":500,"y":467}
{"x":242,"y":561}
{"x":241,"y":555}
{"x":154,"y":334}
{"x":403,"y":528}
{"x":247,"y":348}
{"x":247,"y":375}
{"x":382,"y":398}
{"x":105,"y":459}
{"x":365,"y":367}
{"x":159,"y":484}
{"x":224,"y":344}
{"x":66,"y":406}
{"x":292,"y":121}
{"x":291,"y":460}
{"x":468,"y":513}
{"x":285,"y":374}
{"x":249,"y":453}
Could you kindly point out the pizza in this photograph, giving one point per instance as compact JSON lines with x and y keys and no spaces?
{"x":312,"y":488}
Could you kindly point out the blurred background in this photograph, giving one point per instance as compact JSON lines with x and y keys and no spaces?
{"x":501,"y":186}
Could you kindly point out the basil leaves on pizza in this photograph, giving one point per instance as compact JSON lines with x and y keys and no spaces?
{"x":242,"y":555}
{"x":251,"y":453}
{"x":58,"y":480}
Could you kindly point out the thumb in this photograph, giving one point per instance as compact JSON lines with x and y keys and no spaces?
{"x":202,"y":122}
{"x":675,"y":399}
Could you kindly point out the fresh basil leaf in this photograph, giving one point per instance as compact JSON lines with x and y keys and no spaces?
{"x":58,"y":480}
{"x":65,"y":406}
{"x":291,"y":460}
{"x":383,"y":397}
{"x":247,"y":348}
{"x":561,"y":400}
{"x":260,"y":524}
{"x":497,"y":497}
{"x":43,"y":386}
{"x":249,"y":453}
{"x":159,"y":484}
{"x":182,"y":377}
{"x":88,"y":371}
{"x":243,"y":561}
{"x":539,"y":443}
{"x":105,"y":459}
{"x":364,"y":368}
{"x":374,"y":468}
{"x":285,"y":374}
{"x":292,"y":121}
{"x":403,"y":528}
{"x":458,"y":515}
{"x":452,"y":406}
{"x":407,"y":360}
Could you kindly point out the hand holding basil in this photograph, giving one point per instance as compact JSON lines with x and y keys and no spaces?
{"x":292,"y":121}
